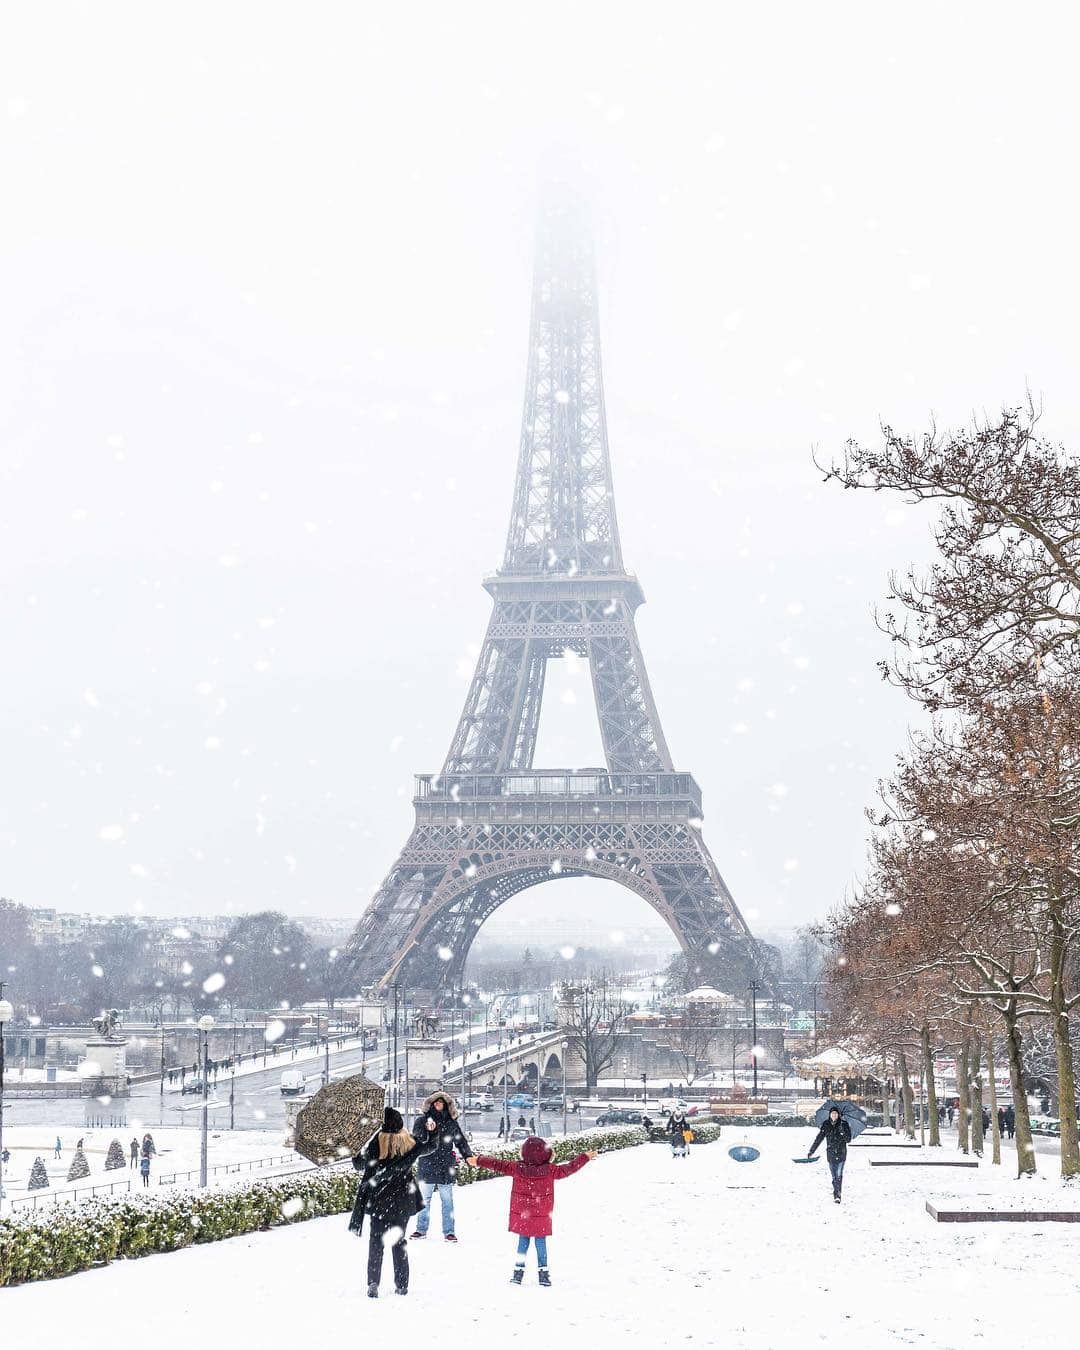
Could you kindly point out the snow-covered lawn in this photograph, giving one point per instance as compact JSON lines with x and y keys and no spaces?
{"x":177,"y":1151}
{"x":648,"y":1251}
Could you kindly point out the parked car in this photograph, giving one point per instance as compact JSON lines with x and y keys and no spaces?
{"x":520,"y":1100}
{"x":292,"y":1083}
{"x":517,"y":1135}
{"x":192,"y":1085}
{"x":619,"y":1115}
{"x":479,"y":1104}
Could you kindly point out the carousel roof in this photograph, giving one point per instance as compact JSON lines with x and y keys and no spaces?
{"x":835,"y":1060}
{"x":706,"y":994}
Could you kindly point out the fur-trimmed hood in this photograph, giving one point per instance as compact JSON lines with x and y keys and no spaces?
{"x":448,"y":1098}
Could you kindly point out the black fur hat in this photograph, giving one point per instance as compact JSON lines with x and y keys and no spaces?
{"x":392,"y":1122}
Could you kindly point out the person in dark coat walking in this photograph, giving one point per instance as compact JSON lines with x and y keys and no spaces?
{"x":437,"y":1170}
{"x":388,"y":1193}
{"x":134,"y":1153}
{"x":532,"y":1198}
{"x":1010,"y":1120}
{"x":678,"y":1127}
{"x":949,"y":1112}
{"x":144,"y":1169}
{"x":836,"y":1133}
{"x":1001,"y":1121}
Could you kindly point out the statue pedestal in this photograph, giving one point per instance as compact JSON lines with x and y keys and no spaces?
{"x":104,"y":1074}
{"x":424,"y":1061}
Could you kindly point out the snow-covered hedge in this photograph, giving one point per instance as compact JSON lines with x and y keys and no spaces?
{"x":44,"y":1243}
{"x":65,"y":1238}
{"x":603,"y":1140}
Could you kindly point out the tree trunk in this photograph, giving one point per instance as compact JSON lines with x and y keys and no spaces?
{"x":931,"y":1088}
{"x":1025,"y":1149}
{"x":909,"y":1111}
{"x":1070,"y":1147}
{"x":995,"y":1127}
{"x":976,"y":1095}
{"x":963,"y":1113}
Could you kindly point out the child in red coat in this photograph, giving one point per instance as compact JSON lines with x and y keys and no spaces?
{"x":532,"y":1198}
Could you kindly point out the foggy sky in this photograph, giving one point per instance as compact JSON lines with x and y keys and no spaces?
{"x":265,"y":279}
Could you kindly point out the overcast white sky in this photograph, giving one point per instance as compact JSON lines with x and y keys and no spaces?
{"x":265,"y":280}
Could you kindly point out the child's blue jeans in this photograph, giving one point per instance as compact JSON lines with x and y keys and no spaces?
{"x":541,"y":1249}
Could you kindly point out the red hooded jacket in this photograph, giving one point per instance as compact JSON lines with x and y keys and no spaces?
{"x":532,"y":1197}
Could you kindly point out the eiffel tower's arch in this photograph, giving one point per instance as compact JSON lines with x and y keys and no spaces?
{"x":490,"y":825}
{"x":439,"y":945}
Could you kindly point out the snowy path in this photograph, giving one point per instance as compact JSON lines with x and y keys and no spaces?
{"x":647,"y":1251}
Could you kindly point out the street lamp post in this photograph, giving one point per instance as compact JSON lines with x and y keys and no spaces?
{"x":814,"y":988}
{"x":644,"y":1092}
{"x":397,"y":997}
{"x":754,"y":987}
{"x":7,"y":1012}
{"x":206,"y":1022}
{"x":232,"y":1078}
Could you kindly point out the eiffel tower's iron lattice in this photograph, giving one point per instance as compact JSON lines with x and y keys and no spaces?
{"x":490,"y":825}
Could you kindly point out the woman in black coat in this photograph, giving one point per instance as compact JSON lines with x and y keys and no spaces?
{"x":837,"y":1135}
{"x":388,"y":1194}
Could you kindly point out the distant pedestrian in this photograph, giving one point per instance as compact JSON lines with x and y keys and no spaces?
{"x":521,"y":1122}
{"x":144,"y":1169}
{"x":532,"y":1124}
{"x":678,"y":1127}
{"x":532,"y":1198}
{"x":148,"y":1145}
{"x":837,"y":1135}
{"x":134,"y":1153}
{"x":56,"y":1147}
{"x":1010,"y":1120}
{"x":949,"y":1112}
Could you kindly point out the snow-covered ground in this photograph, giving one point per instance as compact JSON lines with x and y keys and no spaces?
{"x":648,"y":1251}
{"x":177,"y":1151}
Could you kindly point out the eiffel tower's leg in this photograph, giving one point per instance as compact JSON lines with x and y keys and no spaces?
{"x":487,"y":730}
{"x":379,"y":942}
{"x":629,"y":725}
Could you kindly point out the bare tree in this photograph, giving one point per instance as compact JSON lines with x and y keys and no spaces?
{"x":596,"y":1016}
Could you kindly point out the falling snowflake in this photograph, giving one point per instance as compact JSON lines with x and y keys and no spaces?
{"x":567,"y":953}
{"x":275,"y":1029}
{"x":111,"y":833}
{"x":292,"y":1207}
{"x":892,"y":909}
{"x":213,"y":983}
{"x":97,"y":972}
{"x":445,"y":953}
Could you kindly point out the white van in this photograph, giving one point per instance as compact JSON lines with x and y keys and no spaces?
{"x":292,"y":1083}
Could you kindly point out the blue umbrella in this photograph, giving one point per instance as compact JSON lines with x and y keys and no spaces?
{"x":744,"y":1153}
{"x":854,"y":1115}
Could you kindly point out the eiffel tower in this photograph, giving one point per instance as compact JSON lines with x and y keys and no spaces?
{"x":490,"y":824}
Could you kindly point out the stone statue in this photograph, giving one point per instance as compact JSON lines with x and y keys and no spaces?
{"x":107,"y":1025}
{"x":425,"y":1025}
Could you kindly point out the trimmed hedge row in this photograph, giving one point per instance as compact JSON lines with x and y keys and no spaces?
{"x":604,"y":1140}
{"x":65,"y":1238}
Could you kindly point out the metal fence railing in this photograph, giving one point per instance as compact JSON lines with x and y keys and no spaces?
{"x":227,"y":1169}
{"x":72,"y":1197}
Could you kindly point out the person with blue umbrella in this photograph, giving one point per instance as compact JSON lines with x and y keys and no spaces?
{"x":839,"y":1123}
